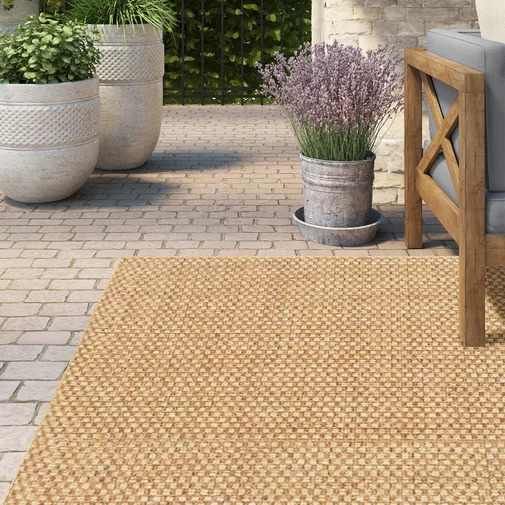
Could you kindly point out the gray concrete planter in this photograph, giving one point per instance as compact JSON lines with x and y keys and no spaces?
{"x":48,"y":139}
{"x":21,"y":11}
{"x":131,"y":94}
{"x":337,"y":193}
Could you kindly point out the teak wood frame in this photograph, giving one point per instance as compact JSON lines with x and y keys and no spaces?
{"x":465,"y":220}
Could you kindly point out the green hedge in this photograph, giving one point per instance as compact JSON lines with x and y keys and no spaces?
{"x":222,"y":42}
{"x":213,"y":56}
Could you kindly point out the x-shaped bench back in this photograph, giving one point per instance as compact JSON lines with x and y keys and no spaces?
{"x":440,"y":143}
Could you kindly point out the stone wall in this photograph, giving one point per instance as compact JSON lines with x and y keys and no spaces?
{"x":402,"y":23}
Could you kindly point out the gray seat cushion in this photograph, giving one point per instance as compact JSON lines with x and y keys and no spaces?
{"x":495,"y":212}
{"x":468,"y":48}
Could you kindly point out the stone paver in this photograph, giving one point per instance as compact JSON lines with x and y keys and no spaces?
{"x":4,"y":489}
{"x":9,"y":463}
{"x":224,"y":181}
{"x":20,"y":352}
{"x":41,"y":390}
{"x":35,"y":370}
{"x":7,"y":389}
{"x":16,"y":438}
{"x":17,"y":414}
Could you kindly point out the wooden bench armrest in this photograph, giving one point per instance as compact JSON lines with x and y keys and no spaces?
{"x":460,"y":77}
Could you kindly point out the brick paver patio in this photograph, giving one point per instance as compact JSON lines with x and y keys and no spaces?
{"x":223,"y":181}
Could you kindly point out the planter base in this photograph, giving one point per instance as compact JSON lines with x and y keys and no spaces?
{"x":349,"y":237}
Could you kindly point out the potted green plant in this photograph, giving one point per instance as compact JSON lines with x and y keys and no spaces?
{"x":49,"y":109}
{"x":130,"y":74}
{"x":338,"y":98}
{"x":14,"y":12}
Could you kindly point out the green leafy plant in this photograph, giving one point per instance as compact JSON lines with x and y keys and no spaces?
{"x":158,"y":13}
{"x":207,"y":65}
{"x":48,"y":49}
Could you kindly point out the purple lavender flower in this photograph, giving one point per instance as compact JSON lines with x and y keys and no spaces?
{"x":337,"y":97}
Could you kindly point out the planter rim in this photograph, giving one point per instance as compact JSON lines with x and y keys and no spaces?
{"x":118,"y":33}
{"x":50,"y":92}
{"x":132,"y":27}
{"x":371,"y":158}
{"x":53,"y":85}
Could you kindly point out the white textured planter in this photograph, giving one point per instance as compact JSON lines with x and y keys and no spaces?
{"x":491,"y":15}
{"x":131,"y":94}
{"x":21,"y":11}
{"x":48,"y":139}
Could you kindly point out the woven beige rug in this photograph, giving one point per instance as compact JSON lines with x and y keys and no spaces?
{"x":277,"y":382}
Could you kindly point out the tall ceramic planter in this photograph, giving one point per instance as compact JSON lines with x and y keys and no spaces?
{"x":337,"y":193}
{"x":19,"y":13}
{"x":491,"y":15}
{"x":48,"y":139}
{"x":131,"y":94}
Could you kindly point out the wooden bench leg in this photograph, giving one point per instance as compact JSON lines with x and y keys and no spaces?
{"x":413,"y":154}
{"x":472,"y":296}
{"x":413,"y":217}
{"x":472,"y":222}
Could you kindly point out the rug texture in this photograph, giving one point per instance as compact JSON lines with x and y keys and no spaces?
{"x":277,"y":382}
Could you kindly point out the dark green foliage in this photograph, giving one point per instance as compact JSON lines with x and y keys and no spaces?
{"x":217,"y":61}
{"x":46,"y":50}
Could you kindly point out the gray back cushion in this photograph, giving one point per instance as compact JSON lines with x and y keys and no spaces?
{"x":468,"y":48}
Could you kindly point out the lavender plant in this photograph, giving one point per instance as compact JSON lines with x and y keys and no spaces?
{"x":338,"y":98}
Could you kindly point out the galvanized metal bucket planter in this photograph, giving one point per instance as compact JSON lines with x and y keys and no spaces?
{"x":20,"y":12}
{"x":131,"y":94}
{"x":338,"y":202}
{"x":337,"y":193}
